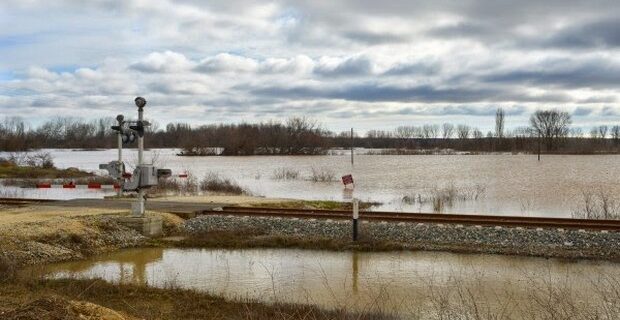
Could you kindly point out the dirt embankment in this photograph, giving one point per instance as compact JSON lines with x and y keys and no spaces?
{"x":35,"y":235}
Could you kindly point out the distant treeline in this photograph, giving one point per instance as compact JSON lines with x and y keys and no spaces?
{"x":549,"y":131}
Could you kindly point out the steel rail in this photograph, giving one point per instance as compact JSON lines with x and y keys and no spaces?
{"x":455,"y":219}
{"x":23,"y":201}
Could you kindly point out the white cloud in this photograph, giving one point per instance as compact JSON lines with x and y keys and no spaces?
{"x":389,"y":61}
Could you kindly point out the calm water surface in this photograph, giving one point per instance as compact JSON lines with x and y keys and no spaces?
{"x":398,"y":282}
{"x":512,"y":184}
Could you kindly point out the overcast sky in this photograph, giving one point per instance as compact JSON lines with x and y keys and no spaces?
{"x":361,"y":63}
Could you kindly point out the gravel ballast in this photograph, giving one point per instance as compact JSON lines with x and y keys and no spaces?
{"x":502,"y":240}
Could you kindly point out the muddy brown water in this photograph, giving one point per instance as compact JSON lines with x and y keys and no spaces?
{"x":502,"y":184}
{"x":399,"y":283}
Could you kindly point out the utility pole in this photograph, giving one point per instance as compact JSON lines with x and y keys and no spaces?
{"x":352,"y":147}
{"x":140,"y":103}
{"x":120,"y":118}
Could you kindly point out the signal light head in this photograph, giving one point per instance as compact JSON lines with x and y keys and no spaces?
{"x":140,"y":102}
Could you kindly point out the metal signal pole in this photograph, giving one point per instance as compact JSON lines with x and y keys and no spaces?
{"x":120,"y":119}
{"x":140,"y":103}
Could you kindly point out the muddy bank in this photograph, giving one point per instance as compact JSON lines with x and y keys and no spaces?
{"x":389,"y":236}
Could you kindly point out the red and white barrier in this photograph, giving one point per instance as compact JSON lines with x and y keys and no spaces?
{"x":93,"y":185}
{"x":77,"y":186}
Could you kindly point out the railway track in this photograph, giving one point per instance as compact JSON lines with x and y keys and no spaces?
{"x":23,"y":201}
{"x":453,"y":219}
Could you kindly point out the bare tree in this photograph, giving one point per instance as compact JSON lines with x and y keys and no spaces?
{"x":576,"y":133}
{"x":463,"y":131}
{"x":405,"y":134}
{"x":594,"y":132}
{"x":478,"y":134}
{"x":499,"y":123}
{"x":602,"y":131}
{"x":447,"y":130}
{"x":615,"y":133}
{"x":550,"y":125}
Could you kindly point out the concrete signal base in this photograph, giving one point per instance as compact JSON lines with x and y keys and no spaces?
{"x":147,"y":226}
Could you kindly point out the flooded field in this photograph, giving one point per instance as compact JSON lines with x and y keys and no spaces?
{"x":399,"y":283}
{"x":485,"y":184}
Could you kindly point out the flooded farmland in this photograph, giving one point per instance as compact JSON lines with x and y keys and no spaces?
{"x":498,"y":184}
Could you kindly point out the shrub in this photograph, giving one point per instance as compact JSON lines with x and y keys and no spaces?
{"x":285,"y":174}
{"x":214,"y":183}
{"x":600,"y":204}
{"x":322,"y":175}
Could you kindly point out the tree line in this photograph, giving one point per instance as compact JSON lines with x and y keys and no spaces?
{"x":549,"y":131}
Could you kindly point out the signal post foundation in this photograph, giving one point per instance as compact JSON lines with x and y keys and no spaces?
{"x":147,"y":226}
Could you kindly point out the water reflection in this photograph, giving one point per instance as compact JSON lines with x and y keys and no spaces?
{"x":353,"y":280}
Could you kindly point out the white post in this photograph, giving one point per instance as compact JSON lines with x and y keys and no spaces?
{"x":354,"y":202}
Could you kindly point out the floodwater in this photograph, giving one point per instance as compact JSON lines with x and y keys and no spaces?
{"x":499,"y":184}
{"x":399,"y":283}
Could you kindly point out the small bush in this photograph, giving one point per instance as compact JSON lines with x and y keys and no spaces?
{"x":441,"y":198}
{"x":285,"y":174}
{"x":187,"y":185}
{"x":600,"y":204}
{"x":214,"y":183}
{"x":322,"y":175}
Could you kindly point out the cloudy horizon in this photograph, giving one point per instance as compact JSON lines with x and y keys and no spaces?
{"x":362,"y":64}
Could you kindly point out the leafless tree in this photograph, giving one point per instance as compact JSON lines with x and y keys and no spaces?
{"x":447,"y":130}
{"x":499,"y":123}
{"x":550,"y":125}
{"x":594,"y":132}
{"x":576,"y":133}
{"x":602,"y":131}
{"x":478,"y":134}
{"x":615,"y":133}
{"x":463,"y":131}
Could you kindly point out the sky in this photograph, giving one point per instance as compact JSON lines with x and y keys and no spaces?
{"x":349,"y":63}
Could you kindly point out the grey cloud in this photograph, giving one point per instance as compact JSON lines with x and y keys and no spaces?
{"x":385,"y":93}
{"x":582,"y":112}
{"x":601,"y":33}
{"x":464,"y":30}
{"x":438,"y":110}
{"x":375,"y":37}
{"x":408,"y":69}
{"x":351,"y":66}
{"x":571,"y":74}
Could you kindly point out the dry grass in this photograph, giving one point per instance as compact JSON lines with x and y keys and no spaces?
{"x":598,"y":204}
{"x":440,"y":198}
{"x":285,"y":174}
{"x":322,"y":175}
{"x":214,"y":183}
{"x":153,"y":303}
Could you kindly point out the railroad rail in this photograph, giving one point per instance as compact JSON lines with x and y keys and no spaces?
{"x":23,"y":201}
{"x":453,"y":219}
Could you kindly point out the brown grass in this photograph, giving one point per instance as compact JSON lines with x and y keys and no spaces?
{"x":153,"y":303}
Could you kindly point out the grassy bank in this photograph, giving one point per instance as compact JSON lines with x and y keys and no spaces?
{"x":141,"y":302}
